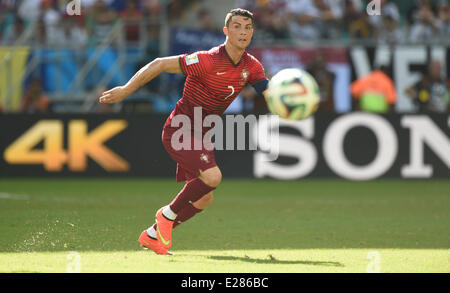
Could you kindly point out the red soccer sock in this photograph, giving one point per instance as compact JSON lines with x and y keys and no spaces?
{"x":184,"y":215}
{"x":191,"y":192}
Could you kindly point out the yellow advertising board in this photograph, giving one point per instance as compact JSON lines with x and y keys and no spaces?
{"x":12,"y":69}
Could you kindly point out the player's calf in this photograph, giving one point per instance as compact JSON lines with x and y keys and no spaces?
{"x":204,"y":202}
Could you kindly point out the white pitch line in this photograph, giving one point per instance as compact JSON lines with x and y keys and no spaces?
{"x":4,"y":195}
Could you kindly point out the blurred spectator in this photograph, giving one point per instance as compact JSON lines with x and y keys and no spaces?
{"x":152,"y":41}
{"x":206,"y":21}
{"x":325,"y":81}
{"x":375,"y":91}
{"x":151,"y":8}
{"x":271,"y":25}
{"x":132,"y":17}
{"x":443,"y":20}
{"x":9,"y":4}
{"x":88,"y":4}
{"x":116,"y":5}
{"x":388,"y":7}
{"x":151,"y":53}
{"x":40,"y":34}
{"x":356,"y":21}
{"x":51,"y":19}
{"x":100,"y":21}
{"x":389,"y":32}
{"x":431,"y":93}
{"x":271,"y":19}
{"x":30,"y":10}
{"x":35,"y":101}
{"x":414,"y":8}
{"x":7,"y":16}
{"x":119,"y":5}
{"x":315,"y":19}
{"x":181,"y":13}
{"x":13,"y":32}
{"x":424,"y":25}
{"x":175,"y":10}
{"x":72,"y":33}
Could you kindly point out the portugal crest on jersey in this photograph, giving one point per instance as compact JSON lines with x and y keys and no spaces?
{"x":204,"y":158}
{"x":244,"y":75}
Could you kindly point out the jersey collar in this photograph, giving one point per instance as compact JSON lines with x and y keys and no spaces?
{"x":229,"y":58}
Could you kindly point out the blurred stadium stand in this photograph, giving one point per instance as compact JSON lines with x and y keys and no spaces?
{"x":51,"y":61}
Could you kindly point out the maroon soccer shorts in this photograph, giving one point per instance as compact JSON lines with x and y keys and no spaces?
{"x":189,"y":162}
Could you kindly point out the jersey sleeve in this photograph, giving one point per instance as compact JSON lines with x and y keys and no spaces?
{"x":257,"y":73}
{"x":196,"y":64}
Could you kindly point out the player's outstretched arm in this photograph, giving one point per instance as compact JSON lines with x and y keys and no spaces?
{"x":144,"y":75}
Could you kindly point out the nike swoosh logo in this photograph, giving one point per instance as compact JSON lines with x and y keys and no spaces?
{"x":220,"y":73}
{"x":162,"y":238}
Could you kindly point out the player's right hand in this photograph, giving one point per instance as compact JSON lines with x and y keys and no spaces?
{"x":114,"y":95}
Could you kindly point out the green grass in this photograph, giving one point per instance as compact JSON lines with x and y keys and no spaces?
{"x":252,"y":226}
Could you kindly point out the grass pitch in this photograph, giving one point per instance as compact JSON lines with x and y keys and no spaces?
{"x":55,"y":225}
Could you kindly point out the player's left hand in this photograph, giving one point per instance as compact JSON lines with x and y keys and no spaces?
{"x":114,"y":95}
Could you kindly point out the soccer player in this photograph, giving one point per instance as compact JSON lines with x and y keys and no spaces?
{"x":214,"y":79}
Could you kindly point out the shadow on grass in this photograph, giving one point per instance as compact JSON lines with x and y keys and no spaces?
{"x":273,"y":260}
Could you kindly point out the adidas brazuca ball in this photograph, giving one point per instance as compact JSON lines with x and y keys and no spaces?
{"x":293,"y":94}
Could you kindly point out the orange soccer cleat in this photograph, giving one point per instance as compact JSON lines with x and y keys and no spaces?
{"x":146,"y":241}
{"x":163,"y":230}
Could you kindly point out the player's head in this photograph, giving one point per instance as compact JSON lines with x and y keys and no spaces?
{"x":239,"y":27}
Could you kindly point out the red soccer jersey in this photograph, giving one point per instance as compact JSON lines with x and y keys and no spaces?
{"x":214,"y":81}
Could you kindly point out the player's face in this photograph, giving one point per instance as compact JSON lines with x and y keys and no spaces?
{"x":239,"y":31}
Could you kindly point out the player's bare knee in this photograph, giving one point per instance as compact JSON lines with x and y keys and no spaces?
{"x":212,"y":177}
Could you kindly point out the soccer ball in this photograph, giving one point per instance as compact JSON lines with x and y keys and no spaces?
{"x":293,"y":94}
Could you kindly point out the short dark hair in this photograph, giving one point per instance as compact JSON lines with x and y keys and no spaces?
{"x":237,"y":12}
